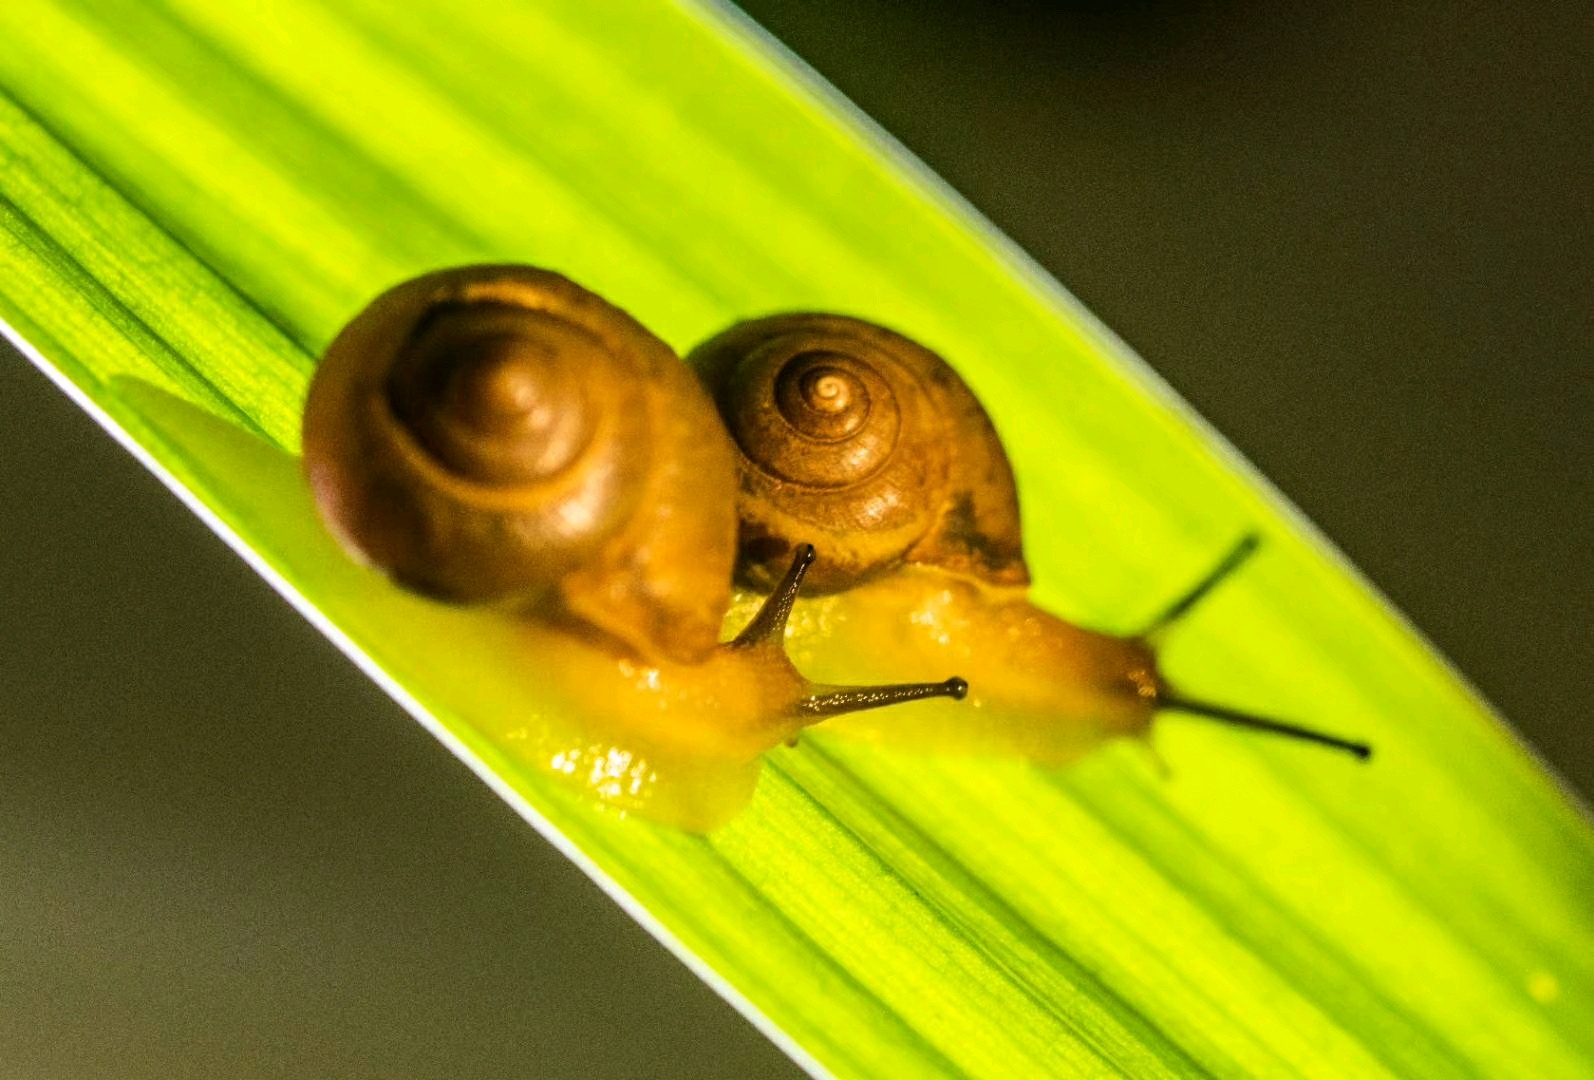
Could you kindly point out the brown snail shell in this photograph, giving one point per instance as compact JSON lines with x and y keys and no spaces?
{"x":499,"y":434}
{"x":865,"y":444}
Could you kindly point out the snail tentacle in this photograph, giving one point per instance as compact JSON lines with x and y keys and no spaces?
{"x":766,"y":630}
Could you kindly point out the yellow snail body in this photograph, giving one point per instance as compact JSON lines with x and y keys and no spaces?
{"x":502,"y":438}
{"x":871,"y":447}
{"x":1040,"y":688}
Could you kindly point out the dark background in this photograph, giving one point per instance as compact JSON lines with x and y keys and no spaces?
{"x":1358,"y":238}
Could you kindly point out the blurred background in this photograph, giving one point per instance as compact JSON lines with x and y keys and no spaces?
{"x":1358,"y":237}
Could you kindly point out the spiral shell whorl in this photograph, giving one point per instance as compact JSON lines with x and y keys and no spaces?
{"x":863,"y":443}
{"x":487,"y":390}
{"x":501,"y":435}
{"x":782,"y":404}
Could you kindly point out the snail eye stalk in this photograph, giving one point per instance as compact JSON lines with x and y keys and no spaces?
{"x":1236,"y":718}
{"x":1236,"y":558}
{"x":1226,"y":566}
{"x":858,"y":698}
{"x":769,"y":625}
{"x":767,"y":630}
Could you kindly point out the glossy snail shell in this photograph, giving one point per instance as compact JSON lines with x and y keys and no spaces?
{"x":498,"y":434}
{"x":865,"y":444}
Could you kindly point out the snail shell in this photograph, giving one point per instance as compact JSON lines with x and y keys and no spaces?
{"x":498,"y":434}
{"x":865,"y":444}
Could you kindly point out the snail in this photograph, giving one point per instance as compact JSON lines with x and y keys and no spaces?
{"x":502,"y":438}
{"x":871,"y":447}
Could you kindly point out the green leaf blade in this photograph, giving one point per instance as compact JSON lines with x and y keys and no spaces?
{"x":206,"y":209}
